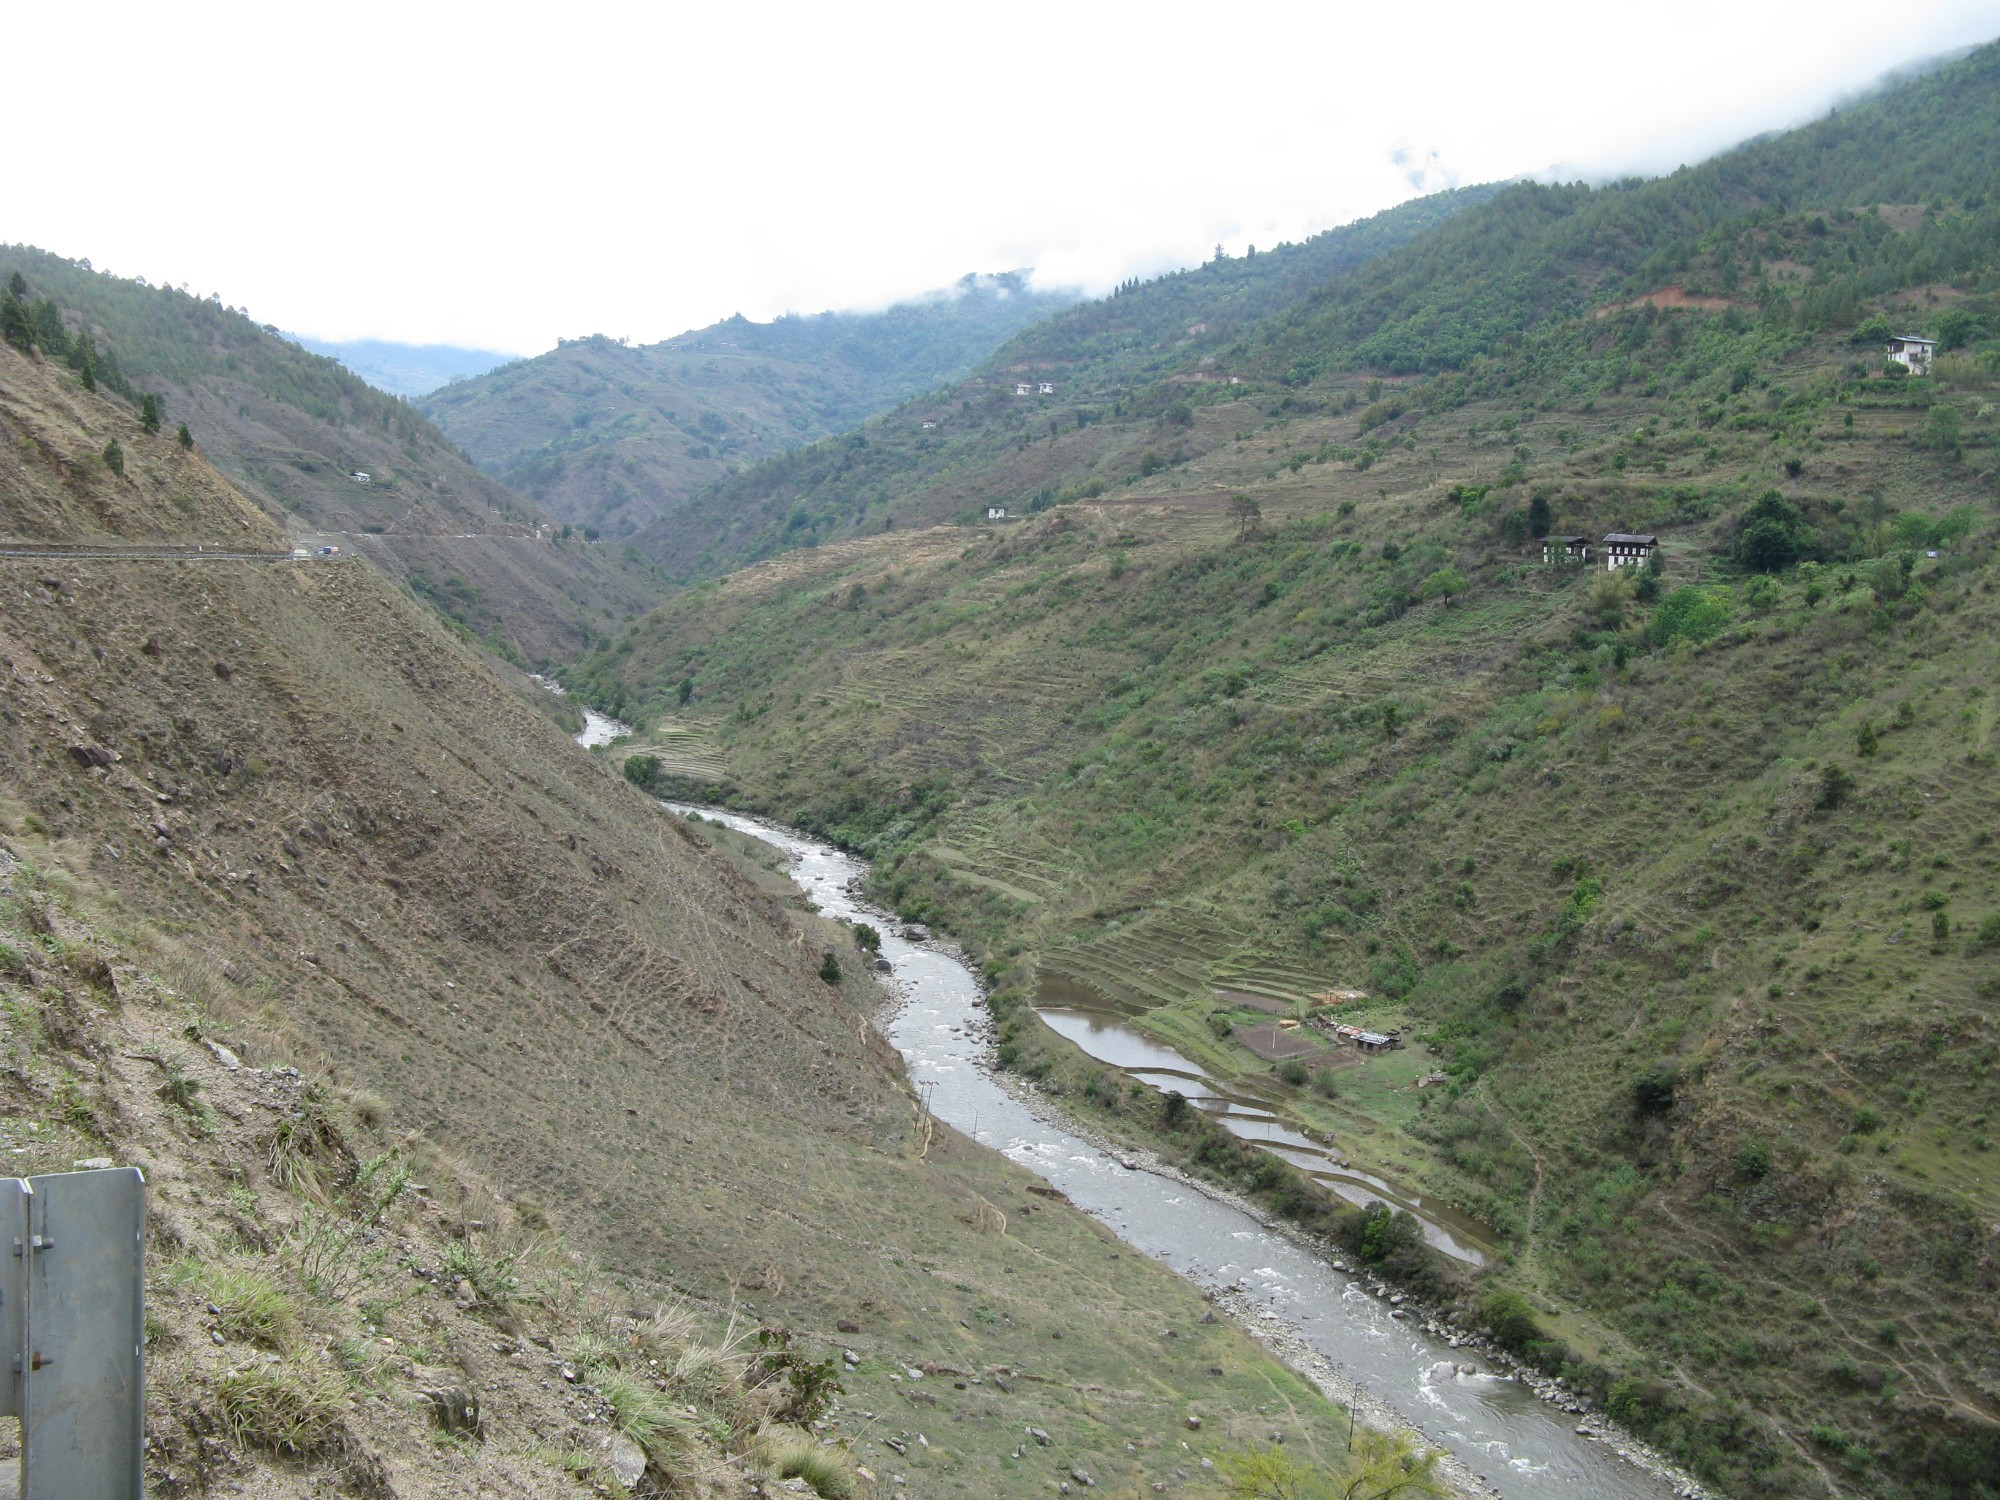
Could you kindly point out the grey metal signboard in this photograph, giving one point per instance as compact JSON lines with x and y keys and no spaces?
{"x":79,"y":1366}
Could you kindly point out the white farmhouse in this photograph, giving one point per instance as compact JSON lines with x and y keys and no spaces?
{"x":359,"y":476}
{"x":1566,"y":549}
{"x":1626,"y":549}
{"x":1022,"y":388}
{"x":1912,"y":353}
{"x":996,"y":512}
{"x":1047,"y":388}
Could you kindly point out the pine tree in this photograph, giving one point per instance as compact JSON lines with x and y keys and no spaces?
{"x":185,"y":438}
{"x":49,"y":330}
{"x":17,"y":327}
{"x":114,"y":457}
{"x":149,"y":412}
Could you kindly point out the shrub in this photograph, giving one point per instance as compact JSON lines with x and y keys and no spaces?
{"x":1294,"y":1071}
{"x":794,"y":1455}
{"x":809,"y":1384}
{"x":829,"y":967}
{"x":1385,"y":1231}
{"x":643,"y":771}
{"x":1693,"y":614}
{"x":1836,"y":785}
{"x":250,"y":1306}
{"x":287,"y":1411}
{"x":1653,"y":1090}
{"x":650,"y":1418}
{"x":1511,"y":1320}
{"x":1989,"y":932}
{"x":1753,"y":1161}
{"x":491,"y":1277}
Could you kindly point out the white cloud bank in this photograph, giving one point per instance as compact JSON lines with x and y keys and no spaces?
{"x":499,"y":175}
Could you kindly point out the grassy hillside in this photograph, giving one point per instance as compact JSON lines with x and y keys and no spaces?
{"x":281,"y":808}
{"x":1685,"y":882}
{"x":1128,"y":373}
{"x":613,"y":437}
{"x":289,"y":428}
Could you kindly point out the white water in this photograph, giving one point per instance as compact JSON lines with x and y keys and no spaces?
{"x":1524,"y":1448}
{"x":598,"y":729}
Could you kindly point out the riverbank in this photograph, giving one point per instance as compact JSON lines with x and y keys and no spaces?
{"x":1288,"y":1345}
{"x":1246,"y":1264}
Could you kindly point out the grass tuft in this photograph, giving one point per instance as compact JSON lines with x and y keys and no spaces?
{"x":281,"y":1409}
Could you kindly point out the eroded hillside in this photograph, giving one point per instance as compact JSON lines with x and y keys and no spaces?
{"x":292,"y":430}
{"x":276,"y":805}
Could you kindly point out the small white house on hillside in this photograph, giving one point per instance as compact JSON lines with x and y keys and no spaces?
{"x":1912,"y":353}
{"x":1022,"y":388}
{"x":1626,"y":549}
{"x":359,"y":476}
{"x":1046,"y":388}
{"x":996,"y":512}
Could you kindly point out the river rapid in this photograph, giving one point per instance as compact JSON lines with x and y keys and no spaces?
{"x":1519,"y":1446}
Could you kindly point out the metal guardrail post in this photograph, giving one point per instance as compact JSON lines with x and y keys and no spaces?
{"x":74,"y":1312}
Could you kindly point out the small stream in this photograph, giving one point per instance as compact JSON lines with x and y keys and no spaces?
{"x":1523,"y":1448}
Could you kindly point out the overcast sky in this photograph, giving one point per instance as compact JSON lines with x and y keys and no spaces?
{"x":501,"y":176}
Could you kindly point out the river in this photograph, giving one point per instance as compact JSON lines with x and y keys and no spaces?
{"x":1524,"y":1448}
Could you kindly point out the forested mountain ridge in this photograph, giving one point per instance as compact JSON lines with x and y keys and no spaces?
{"x":1683,"y":879}
{"x":613,"y":436}
{"x":293,"y":428}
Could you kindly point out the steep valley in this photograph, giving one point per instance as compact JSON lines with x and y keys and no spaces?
{"x":278,"y":807}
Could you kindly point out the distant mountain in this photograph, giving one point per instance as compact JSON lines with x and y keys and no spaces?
{"x":1116,"y":368}
{"x":408,"y":370}
{"x":614,"y":437}
{"x":293,"y":429}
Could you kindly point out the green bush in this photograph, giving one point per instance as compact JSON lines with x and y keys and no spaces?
{"x":643,"y":771}
{"x":1693,"y":614}
{"x":1510,"y":1320}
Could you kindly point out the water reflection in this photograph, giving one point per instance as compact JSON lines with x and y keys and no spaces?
{"x":1251,"y":1117}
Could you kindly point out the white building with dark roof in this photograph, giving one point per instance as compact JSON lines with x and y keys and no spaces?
{"x":1628,"y":549}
